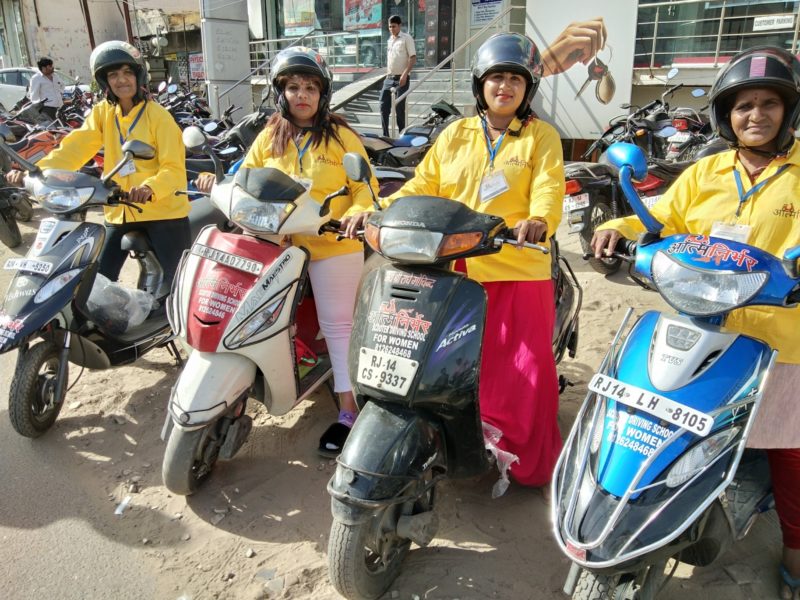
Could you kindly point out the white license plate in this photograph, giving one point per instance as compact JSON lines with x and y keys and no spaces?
{"x":231,"y":260}
{"x":680,"y":137}
{"x":386,"y":372}
{"x":652,"y":403}
{"x":26,"y":264}
{"x":575,"y":202}
{"x":649,"y":201}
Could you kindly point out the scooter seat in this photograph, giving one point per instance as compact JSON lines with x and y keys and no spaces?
{"x":135,"y":241}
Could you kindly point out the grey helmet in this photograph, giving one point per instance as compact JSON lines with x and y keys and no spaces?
{"x":509,"y":52}
{"x":759,"y":67}
{"x":299,"y":60}
{"x":115,"y":54}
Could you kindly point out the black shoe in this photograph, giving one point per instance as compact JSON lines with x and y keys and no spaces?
{"x":332,"y":441}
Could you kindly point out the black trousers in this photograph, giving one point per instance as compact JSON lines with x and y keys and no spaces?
{"x":386,"y":103}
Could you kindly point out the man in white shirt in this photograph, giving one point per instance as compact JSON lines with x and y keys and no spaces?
{"x":400,"y":60}
{"x":44,"y":86}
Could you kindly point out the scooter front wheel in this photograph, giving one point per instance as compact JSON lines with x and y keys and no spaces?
{"x":592,"y":586}
{"x":32,"y":405}
{"x":189,"y":458}
{"x":364,"y":559}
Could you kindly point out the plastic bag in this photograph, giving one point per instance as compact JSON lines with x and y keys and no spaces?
{"x":115,"y":308}
{"x":491,"y":437}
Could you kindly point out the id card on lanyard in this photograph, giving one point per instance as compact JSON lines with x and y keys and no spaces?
{"x":129,"y":168}
{"x":301,"y":152}
{"x":495,"y":183}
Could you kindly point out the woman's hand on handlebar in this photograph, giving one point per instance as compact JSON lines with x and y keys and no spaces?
{"x":140,"y":194}
{"x":353,"y":224}
{"x":604,"y":242}
{"x":204,"y":182}
{"x":16,"y":178}
{"x":533,"y":230}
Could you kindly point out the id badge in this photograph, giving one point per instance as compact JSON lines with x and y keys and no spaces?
{"x":129,"y":168}
{"x":493,"y":185}
{"x":731,"y":231}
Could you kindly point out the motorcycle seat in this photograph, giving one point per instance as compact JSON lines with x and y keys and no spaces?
{"x":670,"y":168}
{"x":135,"y":241}
{"x":595,"y":170}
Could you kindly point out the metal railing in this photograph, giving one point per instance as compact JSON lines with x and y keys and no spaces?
{"x":707,"y":33}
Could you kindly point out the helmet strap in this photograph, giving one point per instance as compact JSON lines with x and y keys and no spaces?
{"x":765,"y":153}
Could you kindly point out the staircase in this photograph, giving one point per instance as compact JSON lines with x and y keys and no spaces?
{"x":364,"y":114}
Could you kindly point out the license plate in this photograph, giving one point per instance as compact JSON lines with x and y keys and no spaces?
{"x":652,"y":403}
{"x":680,"y":137}
{"x":26,"y":264}
{"x":231,"y":260}
{"x":575,"y":202}
{"x":649,"y":201}
{"x":386,"y":372}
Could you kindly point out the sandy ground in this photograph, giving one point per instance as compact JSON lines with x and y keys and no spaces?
{"x":259,"y":527}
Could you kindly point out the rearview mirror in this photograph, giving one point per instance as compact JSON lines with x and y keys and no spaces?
{"x":624,"y":153}
{"x":356,"y":167}
{"x":139,"y":149}
{"x":172,"y":88}
{"x":672,"y":73}
{"x":698,"y":92}
{"x":162,"y":86}
{"x":666,"y":132}
{"x":193,"y":138}
{"x":6,"y":134}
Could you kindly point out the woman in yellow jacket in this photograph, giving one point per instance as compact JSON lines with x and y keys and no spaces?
{"x":752,"y":194}
{"x":126,"y":114}
{"x":508,"y":163}
{"x":305,"y":140}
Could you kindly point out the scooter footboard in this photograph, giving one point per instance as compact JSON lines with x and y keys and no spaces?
{"x":388,"y":451}
{"x":209,"y":383}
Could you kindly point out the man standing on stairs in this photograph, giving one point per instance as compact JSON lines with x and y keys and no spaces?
{"x":400,"y":60}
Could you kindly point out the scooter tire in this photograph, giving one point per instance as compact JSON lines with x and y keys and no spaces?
{"x":189,"y":459}
{"x":32,"y":389}
{"x":600,"y":212}
{"x":355,"y":570}
{"x":9,"y":231}
{"x":592,"y":586}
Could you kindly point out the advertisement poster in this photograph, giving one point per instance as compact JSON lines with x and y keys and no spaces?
{"x":299,"y":17}
{"x":362,"y":14}
{"x":197,"y":66}
{"x":483,"y":11}
{"x":588,"y":63}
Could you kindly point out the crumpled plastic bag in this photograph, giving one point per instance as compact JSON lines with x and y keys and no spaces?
{"x":115,"y":308}
{"x":491,"y":437}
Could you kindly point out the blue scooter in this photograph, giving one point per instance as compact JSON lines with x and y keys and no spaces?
{"x":655,"y":467}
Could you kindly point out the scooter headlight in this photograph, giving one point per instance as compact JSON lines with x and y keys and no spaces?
{"x":702,"y":292}
{"x":257,"y":215}
{"x":698,"y":457}
{"x":420,"y":246}
{"x":61,"y":200}
{"x":259,"y":321}
{"x":55,"y":285}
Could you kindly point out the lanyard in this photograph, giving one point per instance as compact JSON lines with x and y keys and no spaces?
{"x":135,"y":121}
{"x":302,"y":152}
{"x":492,"y":149}
{"x":744,"y":196}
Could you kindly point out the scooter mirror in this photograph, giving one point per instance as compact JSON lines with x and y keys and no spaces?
{"x":698,"y":92}
{"x":172,"y":88}
{"x":193,"y":138}
{"x":162,"y":86}
{"x":356,"y":167}
{"x":228,"y":151}
{"x":624,"y":154}
{"x":139,"y":149}
{"x":6,"y":134}
{"x":210,"y":127}
{"x":672,"y":73}
{"x":666,"y":132}
{"x":418,"y":141}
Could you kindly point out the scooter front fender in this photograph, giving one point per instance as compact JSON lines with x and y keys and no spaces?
{"x":208,"y":385}
{"x":385,"y":458}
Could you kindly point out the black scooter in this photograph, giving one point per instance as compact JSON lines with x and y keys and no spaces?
{"x":414,"y":360}
{"x":48,"y":296}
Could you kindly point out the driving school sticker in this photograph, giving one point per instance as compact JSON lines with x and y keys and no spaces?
{"x":704,"y":251}
{"x":397,"y":331}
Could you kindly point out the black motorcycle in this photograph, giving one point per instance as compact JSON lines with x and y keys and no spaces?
{"x":50,"y":296}
{"x":414,"y":362}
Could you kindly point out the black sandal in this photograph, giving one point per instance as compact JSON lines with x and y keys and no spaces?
{"x":332,"y":441}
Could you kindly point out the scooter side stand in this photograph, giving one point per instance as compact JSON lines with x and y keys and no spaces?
{"x":174,"y":353}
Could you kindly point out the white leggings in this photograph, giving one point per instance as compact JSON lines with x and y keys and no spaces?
{"x":334,"y":282}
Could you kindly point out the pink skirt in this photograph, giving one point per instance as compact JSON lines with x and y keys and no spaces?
{"x":518,"y":381}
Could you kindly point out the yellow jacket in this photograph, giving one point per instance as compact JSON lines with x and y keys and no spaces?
{"x":165,"y":174}
{"x":706,"y":193}
{"x":323,"y":166}
{"x":533,"y":165}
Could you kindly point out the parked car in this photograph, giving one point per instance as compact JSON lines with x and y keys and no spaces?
{"x":14,"y":84}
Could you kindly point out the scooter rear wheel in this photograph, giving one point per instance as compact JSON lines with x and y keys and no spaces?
{"x":189,"y":458}
{"x":356,"y":553}
{"x":32,"y":406}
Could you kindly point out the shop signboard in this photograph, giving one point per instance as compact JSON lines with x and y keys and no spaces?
{"x":197,"y":66}
{"x":299,"y":17}
{"x":483,"y":11}
{"x":363,"y":14}
{"x":585,"y":90}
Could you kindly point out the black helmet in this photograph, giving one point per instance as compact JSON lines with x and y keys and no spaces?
{"x":115,"y":54}
{"x":299,"y":60}
{"x":512,"y":52}
{"x":763,"y":67}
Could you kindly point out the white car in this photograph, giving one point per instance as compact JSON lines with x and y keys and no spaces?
{"x":14,"y":84}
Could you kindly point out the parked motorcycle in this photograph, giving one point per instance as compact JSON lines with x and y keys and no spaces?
{"x":51,"y":295}
{"x":415,"y":352}
{"x":241,"y":301}
{"x":655,"y":467}
{"x":414,"y":141}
